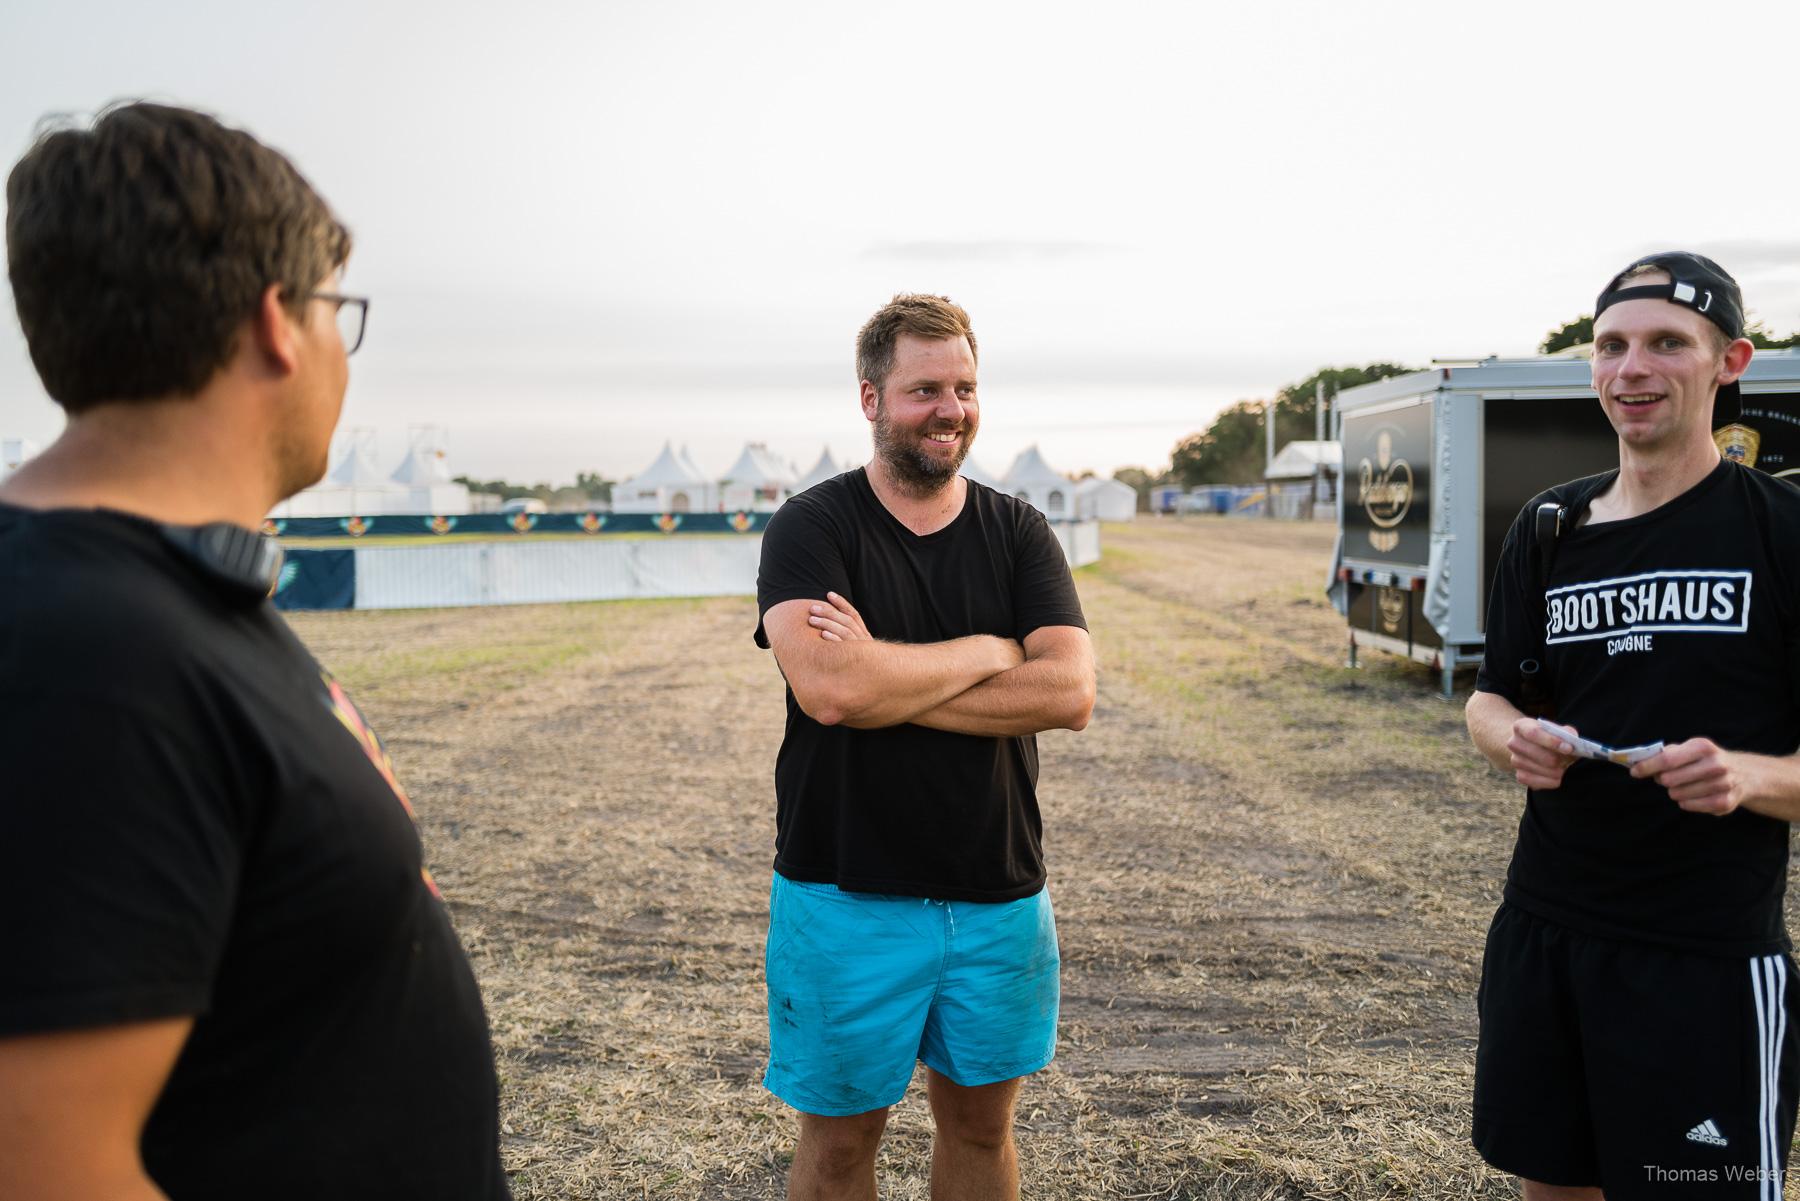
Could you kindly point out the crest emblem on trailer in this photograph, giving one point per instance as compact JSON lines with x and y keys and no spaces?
{"x":740,"y":521}
{"x":668,"y":523}
{"x":356,"y":527}
{"x":440,"y":525}
{"x":273,"y":528}
{"x":593,"y":523}
{"x":1392,"y":604}
{"x":1385,"y":491}
{"x":524,"y":523}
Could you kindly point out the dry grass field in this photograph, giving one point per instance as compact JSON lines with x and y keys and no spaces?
{"x":1271,"y":877}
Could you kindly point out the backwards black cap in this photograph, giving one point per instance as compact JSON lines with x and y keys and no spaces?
{"x":1698,"y":283}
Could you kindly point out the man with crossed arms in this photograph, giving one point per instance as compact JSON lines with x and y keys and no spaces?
{"x":928,"y":629}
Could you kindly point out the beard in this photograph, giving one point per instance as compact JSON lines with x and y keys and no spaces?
{"x":918,"y":470}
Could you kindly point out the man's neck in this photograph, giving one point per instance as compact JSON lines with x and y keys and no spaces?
{"x":922,"y":513}
{"x":1651,"y":479}
{"x":167,"y":460}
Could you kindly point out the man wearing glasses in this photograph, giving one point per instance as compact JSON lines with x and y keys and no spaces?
{"x":1637,"y":1020}
{"x":227,"y":972}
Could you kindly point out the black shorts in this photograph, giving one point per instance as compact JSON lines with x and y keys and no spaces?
{"x":1648,"y":1072}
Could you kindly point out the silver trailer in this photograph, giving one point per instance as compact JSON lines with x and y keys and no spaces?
{"x":1438,"y":463}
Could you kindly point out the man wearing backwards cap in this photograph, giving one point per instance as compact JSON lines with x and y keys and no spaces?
{"x":1637,"y":1020}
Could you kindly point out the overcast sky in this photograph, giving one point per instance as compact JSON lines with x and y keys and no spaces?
{"x":588,"y":228}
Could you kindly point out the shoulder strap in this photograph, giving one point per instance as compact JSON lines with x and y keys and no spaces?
{"x":1535,"y":690}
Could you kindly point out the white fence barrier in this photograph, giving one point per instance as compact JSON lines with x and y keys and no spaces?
{"x":530,"y":573}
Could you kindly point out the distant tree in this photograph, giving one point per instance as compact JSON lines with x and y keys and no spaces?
{"x":1578,"y":332}
{"x":1142,"y":481}
{"x":597,"y":486}
{"x":1762,"y":339}
{"x":1230,"y":450}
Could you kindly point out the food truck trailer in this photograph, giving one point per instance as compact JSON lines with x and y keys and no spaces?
{"x":1437,"y":464}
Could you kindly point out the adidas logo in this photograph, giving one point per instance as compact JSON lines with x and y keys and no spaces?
{"x":1707,"y":1133}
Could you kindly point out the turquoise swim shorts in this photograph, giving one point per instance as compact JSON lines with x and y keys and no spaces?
{"x":864,"y":985}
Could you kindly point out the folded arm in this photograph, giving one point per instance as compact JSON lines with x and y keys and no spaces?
{"x":1052,"y":690}
{"x":73,"y":1106}
{"x":866,"y":684}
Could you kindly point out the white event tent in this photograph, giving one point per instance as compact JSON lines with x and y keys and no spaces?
{"x":821,"y":471}
{"x":1034,"y":481}
{"x":1099,"y":499}
{"x":672,"y":484}
{"x":982,"y":475}
{"x":758,"y":482}
{"x":356,"y":487}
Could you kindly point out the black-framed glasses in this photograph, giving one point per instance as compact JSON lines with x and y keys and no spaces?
{"x":352,"y":317}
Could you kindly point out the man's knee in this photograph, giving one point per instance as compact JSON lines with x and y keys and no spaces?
{"x":843,"y":1144}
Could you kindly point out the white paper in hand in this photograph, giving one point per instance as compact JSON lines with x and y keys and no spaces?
{"x":1587,"y":748}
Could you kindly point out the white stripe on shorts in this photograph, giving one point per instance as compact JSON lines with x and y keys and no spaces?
{"x":1768,"y":980}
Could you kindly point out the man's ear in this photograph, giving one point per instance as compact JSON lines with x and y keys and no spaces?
{"x":272,"y":333}
{"x":871,"y":400}
{"x":1736,"y":360}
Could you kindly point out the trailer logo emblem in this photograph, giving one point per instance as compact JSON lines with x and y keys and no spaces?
{"x":1392,"y":604}
{"x":1386,"y":492}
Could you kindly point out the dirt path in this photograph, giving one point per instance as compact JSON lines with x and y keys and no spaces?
{"x":1271,"y":878}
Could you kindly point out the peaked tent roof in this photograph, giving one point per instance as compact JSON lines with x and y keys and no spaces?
{"x":424,"y":464}
{"x":757,"y":467}
{"x":687,"y":461}
{"x":357,"y":468}
{"x":1030,"y":468}
{"x":982,"y":475}
{"x":821,"y":471}
{"x":1095,"y":483}
{"x":667,"y":469}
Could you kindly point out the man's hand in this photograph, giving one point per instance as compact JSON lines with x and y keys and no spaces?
{"x":851,"y":679}
{"x":1538,"y":757}
{"x":838,"y":621}
{"x":1702,"y":777}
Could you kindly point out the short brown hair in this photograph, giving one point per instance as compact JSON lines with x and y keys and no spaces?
{"x":137,"y":248}
{"x":915,"y":313}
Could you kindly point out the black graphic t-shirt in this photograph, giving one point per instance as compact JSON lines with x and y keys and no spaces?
{"x":196,"y":821}
{"x":1679,"y":623}
{"x":907,"y":809}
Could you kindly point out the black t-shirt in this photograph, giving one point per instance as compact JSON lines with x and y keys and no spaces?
{"x":194,"y":820}
{"x":1679,"y":623}
{"x":906,"y":809}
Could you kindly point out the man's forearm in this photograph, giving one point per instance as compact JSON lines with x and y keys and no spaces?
{"x":1042,"y":694}
{"x":890,"y":683}
{"x":1771,"y":785}
{"x":1490,"y":718}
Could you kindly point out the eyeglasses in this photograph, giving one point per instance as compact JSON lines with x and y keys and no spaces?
{"x":352,"y":317}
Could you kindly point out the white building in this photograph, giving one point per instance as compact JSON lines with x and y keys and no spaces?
{"x":14,"y":452}
{"x":1034,"y":481}
{"x":757,"y":483}
{"x":672,"y":484}
{"x":1105,"y":500}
